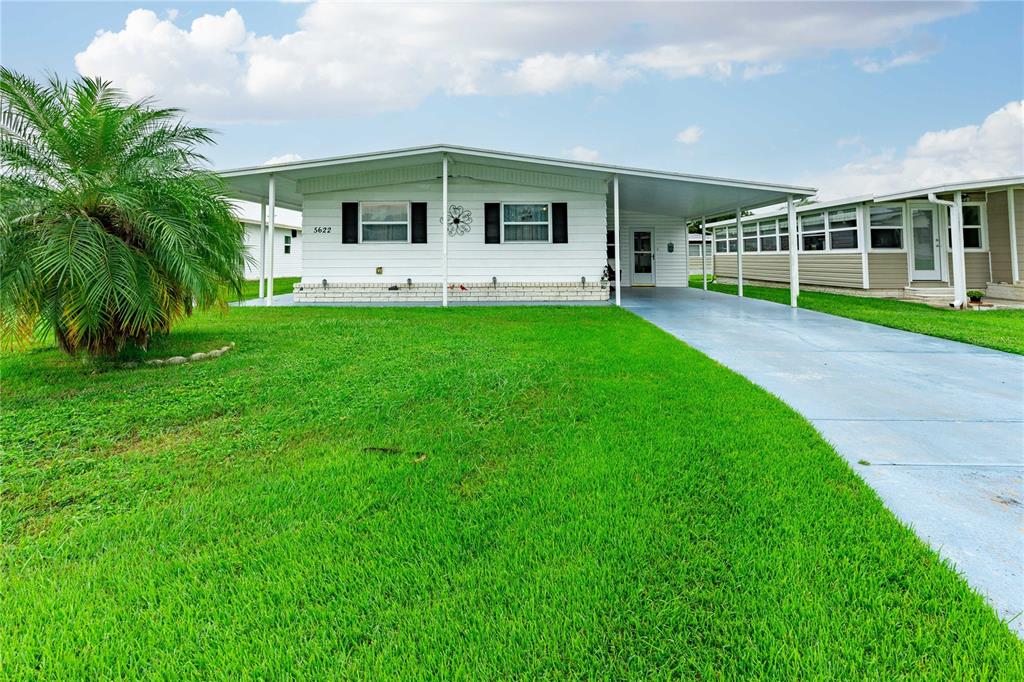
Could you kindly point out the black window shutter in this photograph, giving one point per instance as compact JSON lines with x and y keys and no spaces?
{"x":492,"y":223}
{"x":295,"y":233}
{"x":419,"y":222}
{"x":560,"y":223}
{"x":350,"y":222}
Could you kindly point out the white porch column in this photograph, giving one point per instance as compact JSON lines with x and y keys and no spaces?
{"x":263,"y":246}
{"x":272,"y":201}
{"x":618,"y":247}
{"x":794,"y":243}
{"x":957,"y":233}
{"x":1014,"y":262}
{"x":444,"y":230}
{"x":739,"y":252}
{"x":703,"y":251}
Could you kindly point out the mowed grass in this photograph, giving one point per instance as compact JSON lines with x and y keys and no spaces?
{"x":999,"y":329}
{"x":251,"y":287}
{"x":475,"y":493}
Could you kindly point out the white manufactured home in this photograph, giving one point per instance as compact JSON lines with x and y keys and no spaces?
{"x":903,"y":244}
{"x":447,"y":223}
{"x":286,"y":245}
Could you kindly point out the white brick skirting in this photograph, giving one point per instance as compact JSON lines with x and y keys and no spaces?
{"x":502,"y":291}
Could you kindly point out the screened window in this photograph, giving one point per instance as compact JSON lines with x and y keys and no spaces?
{"x":287,"y":244}
{"x":730,"y":233}
{"x":768,"y":234}
{"x":526,"y":222}
{"x":812,"y":232}
{"x":972,"y":227}
{"x":783,"y":234}
{"x":842,"y":228}
{"x":750,"y":237}
{"x":886,"y":226}
{"x":695,"y":249}
{"x":385,"y":222}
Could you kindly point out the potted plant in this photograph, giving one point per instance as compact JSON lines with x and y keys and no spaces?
{"x":975,"y":295}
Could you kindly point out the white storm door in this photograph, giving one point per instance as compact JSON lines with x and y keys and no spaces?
{"x":643,"y":258}
{"x":924,"y":243}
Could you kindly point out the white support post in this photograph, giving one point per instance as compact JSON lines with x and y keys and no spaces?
{"x":956,"y":231}
{"x":1014,"y":262}
{"x":618,"y":247}
{"x":703,"y":251}
{"x":739,"y":252}
{"x":444,"y":230}
{"x":794,"y":244}
{"x":263,"y":246}
{"x":272,"y":201}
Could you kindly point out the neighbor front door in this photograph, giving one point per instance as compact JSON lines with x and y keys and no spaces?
{"x":924,"y":243}
{"x":643,"y":258}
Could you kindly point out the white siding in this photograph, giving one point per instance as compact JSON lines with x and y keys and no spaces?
{"x":285,"y":265}
{"x":469,"y":258}
{"x":669,"y":268}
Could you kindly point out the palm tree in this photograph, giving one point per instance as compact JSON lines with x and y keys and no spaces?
{"x":111,"y":227}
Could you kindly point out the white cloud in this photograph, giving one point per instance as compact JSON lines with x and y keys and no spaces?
{"x":283,"y":158}
{"x":365,"y":57}
{"x":872,"y":65}
{"x":581,"y":153}
{"x":993,"y":148}
{"x":690,"y":135}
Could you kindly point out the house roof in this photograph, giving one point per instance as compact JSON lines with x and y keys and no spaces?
{"x":277,"y":225}
{"x":922,"y":193}
{"x":640,"y":189}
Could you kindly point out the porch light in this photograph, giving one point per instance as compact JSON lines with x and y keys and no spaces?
{"x":494,"y":282}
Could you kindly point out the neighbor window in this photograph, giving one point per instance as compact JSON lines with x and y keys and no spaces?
{"x":972,"y":227}
{"x":385,"y":222}
{"x":783,"y":234}
{"x":886,"y":225}
{"x":287,"y":244}
{"x":730,"y":232}
{"x":842,"y":228}
{"x":812,"y":232}
{"x":695,"y":249}
{"x":766,"y":230}
{"x":526,"y":222}
{"x":750,"y":237}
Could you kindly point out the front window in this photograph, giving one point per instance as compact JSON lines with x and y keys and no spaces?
{"x":842,"y":228}
{"x":287,"y":244}
{"x":812,"y":232}
{"x":750,"y":237}
{"x":385,"y":222}
{"x":526,"y":222}
{"x":886,"y":225}
{"x":972,"y":227}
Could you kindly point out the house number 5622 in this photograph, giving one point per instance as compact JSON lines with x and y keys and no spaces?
{"x":320,"y":229}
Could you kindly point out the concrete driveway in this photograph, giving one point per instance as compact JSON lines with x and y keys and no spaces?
{"x":941,"y":423}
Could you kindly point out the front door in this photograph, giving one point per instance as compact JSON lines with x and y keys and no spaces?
{"x":924,"y":240}
{"x":643,"y":258}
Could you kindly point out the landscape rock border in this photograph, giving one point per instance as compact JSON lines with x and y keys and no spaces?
{"x":181,"y":359}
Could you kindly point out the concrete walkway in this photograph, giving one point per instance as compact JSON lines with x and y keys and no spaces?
{"x":941,"y":423}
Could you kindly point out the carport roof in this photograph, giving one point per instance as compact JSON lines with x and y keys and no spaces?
{"x":640,"y":189}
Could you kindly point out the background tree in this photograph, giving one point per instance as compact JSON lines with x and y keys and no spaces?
{"x":112,"y":228}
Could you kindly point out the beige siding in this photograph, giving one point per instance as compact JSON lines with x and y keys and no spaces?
{"x":996,"y":211}
{"x":976,"y":263}
{"x":669,"y":268}
{"x":709,"y":264}
{"x":1018,"y":206}
{"x":823,"y":269}
{"x":887,"y":270}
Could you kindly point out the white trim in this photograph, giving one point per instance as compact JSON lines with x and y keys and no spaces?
{"x":263,"y":247}
{"x":739,"y":252}
{"x":984,"y":228}
{"x":953,"y":187}
{"x":794,"y":258}
{"x":524,"y":241}
{"x":618,"y":242}
{"x":272,"y":199}
{"x":407,"y":223}
{"x":938,"y":232}
{"x":1014,"y":262}
{"x":444,"y":230}
{"x":902,"y":205}
{"x":862,"y":230}
{"x":703,"y":253}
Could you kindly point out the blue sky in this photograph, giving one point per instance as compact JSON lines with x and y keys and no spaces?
{"x":852,"y":98}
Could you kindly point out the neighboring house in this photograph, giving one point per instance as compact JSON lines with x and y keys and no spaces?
{"x":695,"y":253}
{"x":895,"y":245}
{"x":287,"y":250}
{"x":443,"y":221}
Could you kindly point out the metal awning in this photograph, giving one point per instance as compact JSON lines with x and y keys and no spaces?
{"x":642,"y":190}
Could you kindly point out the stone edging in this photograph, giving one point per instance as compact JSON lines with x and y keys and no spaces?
{"x":181,"y":359}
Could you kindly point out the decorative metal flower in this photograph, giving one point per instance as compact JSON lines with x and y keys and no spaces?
{"x":460,"y":220}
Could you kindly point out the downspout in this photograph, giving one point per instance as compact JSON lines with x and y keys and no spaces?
{"x":956,"y":229}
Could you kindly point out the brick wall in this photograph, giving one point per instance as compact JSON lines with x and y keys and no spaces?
{"x":500,"y":292}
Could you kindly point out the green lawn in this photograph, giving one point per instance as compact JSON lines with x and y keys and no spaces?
{"x":999,"y":329}
{"x":282,"y":285}
{"x":477,"y":493}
